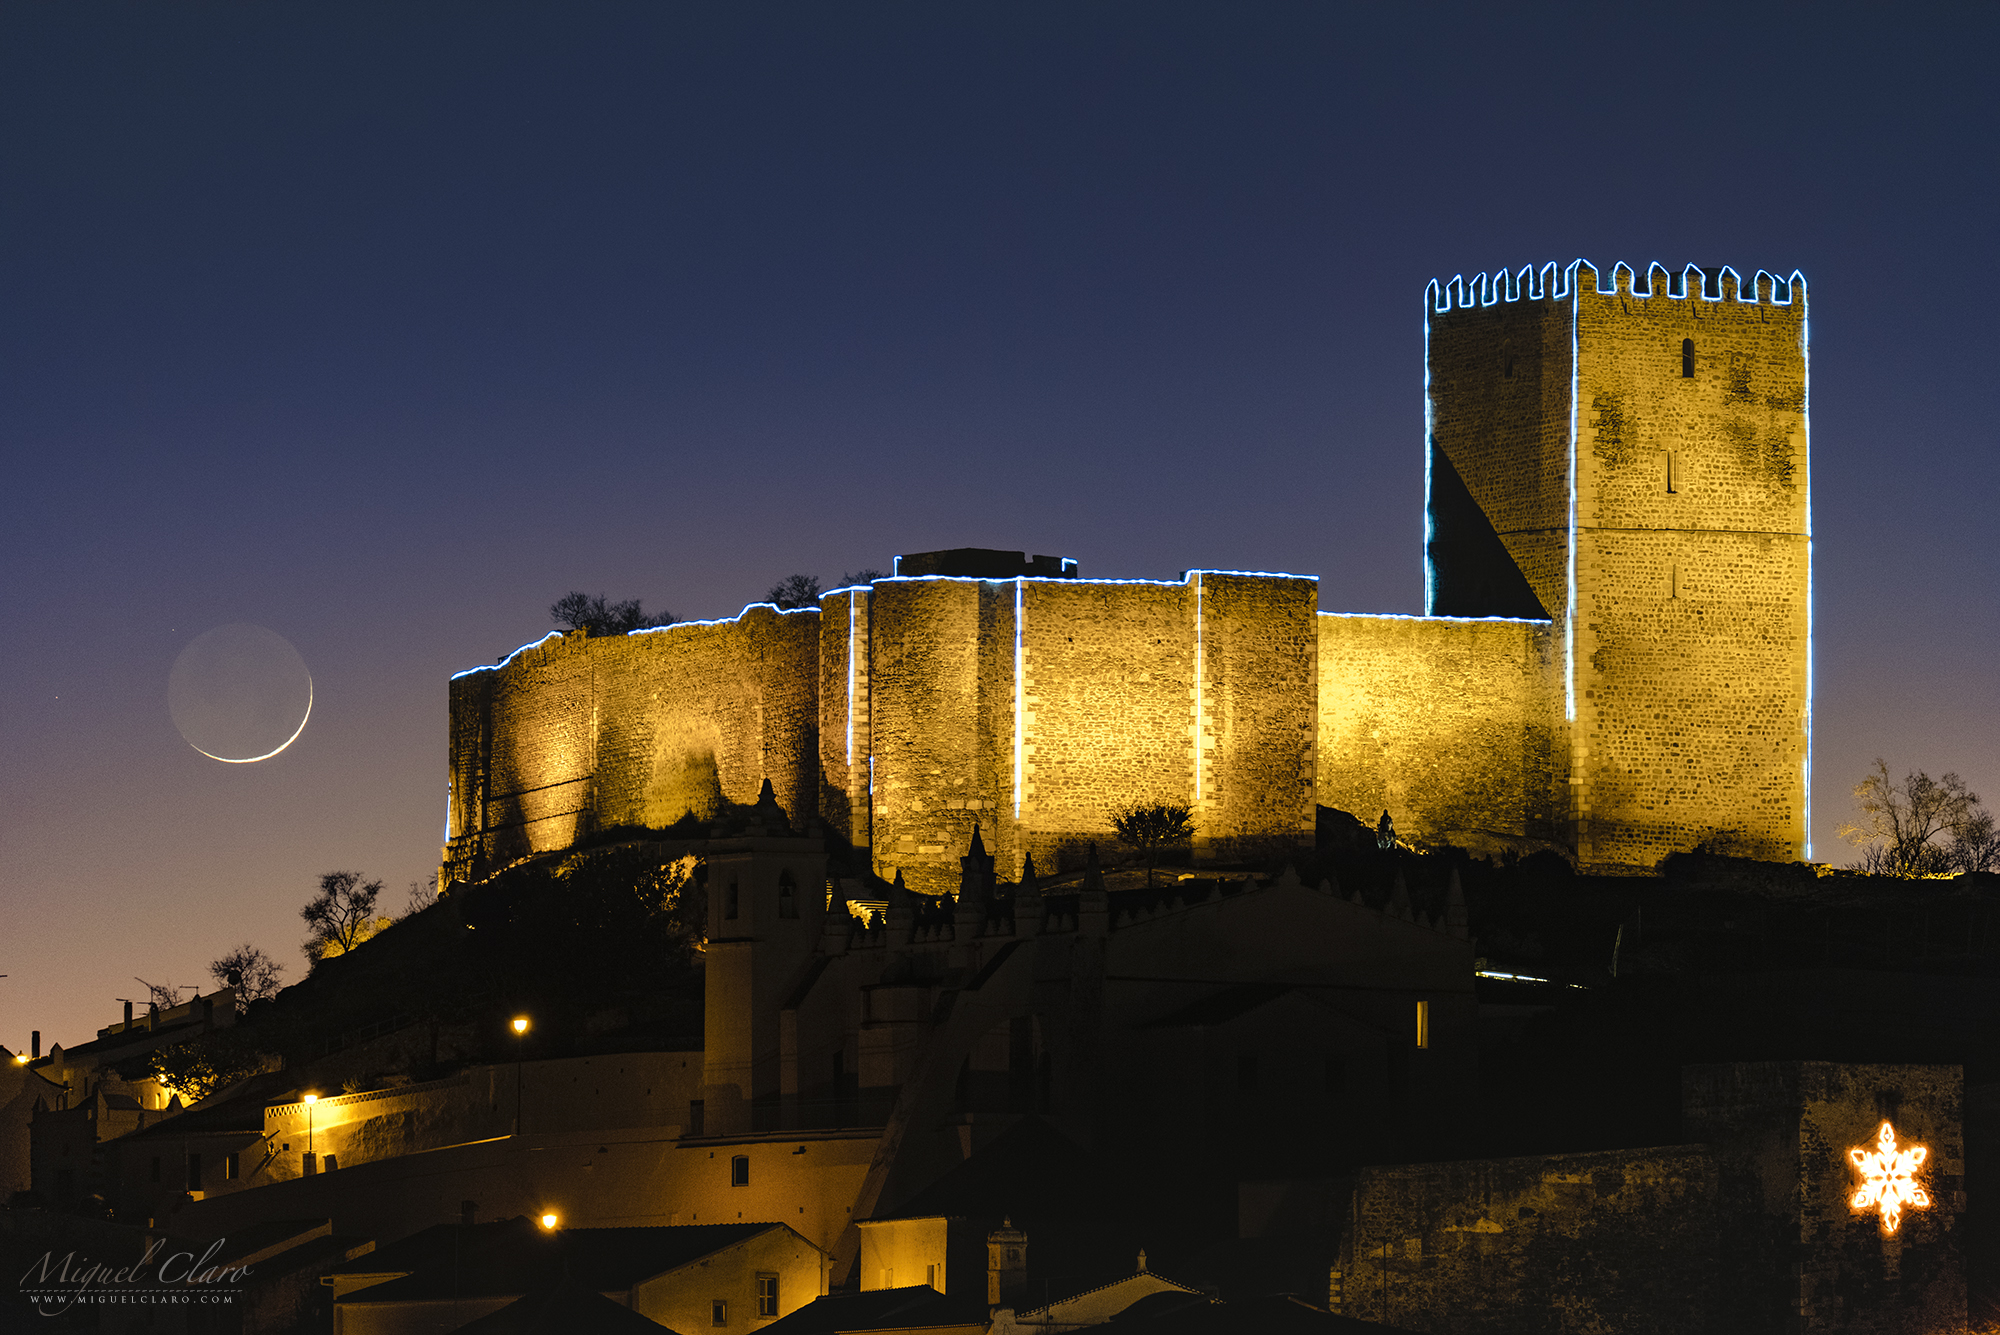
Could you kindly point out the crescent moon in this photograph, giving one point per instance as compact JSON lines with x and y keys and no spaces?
{"x":251,"y":760}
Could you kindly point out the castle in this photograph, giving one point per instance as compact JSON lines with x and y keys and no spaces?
{"x":1614,"y":661}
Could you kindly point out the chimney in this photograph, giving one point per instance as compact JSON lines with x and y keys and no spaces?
{"x":128,"y":1015}
{"x":35,"y":1045}
{"x":1006,"y":1264}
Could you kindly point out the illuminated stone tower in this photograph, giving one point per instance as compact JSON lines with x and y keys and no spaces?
{"x":1631,"y":463}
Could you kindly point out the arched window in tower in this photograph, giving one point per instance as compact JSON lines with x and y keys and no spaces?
{"x":1687,"y":359}
{"x":788,"y":895}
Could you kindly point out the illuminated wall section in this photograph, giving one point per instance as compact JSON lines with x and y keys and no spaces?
{"x":845,"y":736}
{"x":1032,"y":707}
{"x":1452,"y":725}
{"x":941,"y":689}
{"x":574,"y":734}
{"x":1107,"y":707}
{"x":1258,"y":717}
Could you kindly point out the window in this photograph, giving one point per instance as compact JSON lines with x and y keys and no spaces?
{"x":1667,"y":470}
{"x":1336,"y":1075}
{"x":1423,"y":1024}
{"x":930,"y":1277}
{"x":788,"y":896}
{"x":229,"y":1167}
{"x":1687,"y":359}
{"x":194,"y":1172}
{"x":767,"y":1295}
{"x":718,"y":1311}
{"x":739,"y":1171}
{"x":731,"y":900}
{"x":1246,"y":1072}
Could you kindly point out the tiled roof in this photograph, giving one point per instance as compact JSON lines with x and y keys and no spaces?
{"x":512,"y":1258}
{"x":568,"y":1309}
{"x":1220,"y":1008}
{"x":878,"y":1309}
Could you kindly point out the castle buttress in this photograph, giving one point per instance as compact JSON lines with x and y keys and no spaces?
{"x":1614,"y":662}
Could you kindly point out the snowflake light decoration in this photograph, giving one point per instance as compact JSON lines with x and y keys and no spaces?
{"x":1889,"y":1178}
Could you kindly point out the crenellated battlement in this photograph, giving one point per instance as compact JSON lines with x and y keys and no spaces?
{"x":1553,"y":283}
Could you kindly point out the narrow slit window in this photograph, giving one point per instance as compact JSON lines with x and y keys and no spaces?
{"x":1423,"y":1024}
{"x":1687,"y":359}
{"x":1673,"y":483}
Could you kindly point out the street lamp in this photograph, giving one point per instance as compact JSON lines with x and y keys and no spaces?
{"x":520,"y":1034}
{"x":549,"y":1221}
{"x":310,"y":1100}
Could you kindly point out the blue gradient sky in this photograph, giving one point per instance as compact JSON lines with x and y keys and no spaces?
{"x":384,"y":326}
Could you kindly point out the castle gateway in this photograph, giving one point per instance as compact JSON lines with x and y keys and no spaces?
{"x":1615,"y":659}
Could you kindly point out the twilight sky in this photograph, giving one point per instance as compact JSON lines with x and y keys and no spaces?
{"x":383,"y":326}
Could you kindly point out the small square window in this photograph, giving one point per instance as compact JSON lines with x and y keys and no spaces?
{"x":767,"y":1295}
{"x":718,"y":1312}
{"x":739,"y":1171}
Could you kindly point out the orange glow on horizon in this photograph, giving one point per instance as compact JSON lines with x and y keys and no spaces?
{"x":1889,"y":1178}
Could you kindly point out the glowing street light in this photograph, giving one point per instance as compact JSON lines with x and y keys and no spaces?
{"x":520,"y":1034}
{"x":549,"y":1221}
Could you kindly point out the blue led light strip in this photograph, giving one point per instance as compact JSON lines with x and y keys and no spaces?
{"x":1020,"y":695}
{"x":1805,"y":354}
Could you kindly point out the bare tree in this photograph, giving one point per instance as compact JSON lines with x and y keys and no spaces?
{"x":341,"y":916}
{"x":1151,"y":827}
{"x":1919,"y":827}
{"x":794,"y":591}
{"x":421,"y":896}
{"x":867,"y":576}
{"x":594,"y":616}
{"x":254,"y":975}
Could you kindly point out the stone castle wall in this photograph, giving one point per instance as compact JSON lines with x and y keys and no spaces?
{"x":1692,"y":635}
{"x":1615,"y":659}
{"x":1452,"y":726}
{"x":577,"y":733}
{"x":1659,"y":519}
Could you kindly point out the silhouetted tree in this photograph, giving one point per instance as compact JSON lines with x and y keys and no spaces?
{"x":1151,"y":827}
{"x":422,"y":894}
{"x":794,"y":591}
{"x":201,"y":1066}
{"x":594,"y":616}
{"x":254,"y":975}
{"x":341,"y":916}
{"x":1921,"y":827}
{"x":861,"y":577}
